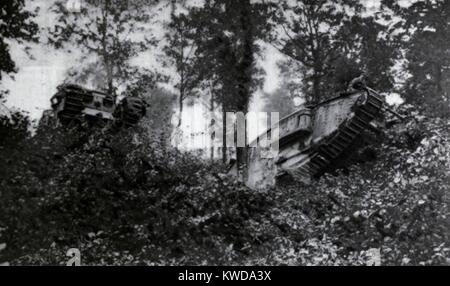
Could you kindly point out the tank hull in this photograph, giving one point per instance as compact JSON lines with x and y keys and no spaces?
{"x":73,"y":103}
{"x":308,"y":150}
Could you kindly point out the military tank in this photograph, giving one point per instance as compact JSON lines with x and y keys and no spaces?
{"x":316,"y":138}
{"x":73,"y":104}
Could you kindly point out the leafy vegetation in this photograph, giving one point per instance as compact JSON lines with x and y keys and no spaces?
{"x":126,"y":198}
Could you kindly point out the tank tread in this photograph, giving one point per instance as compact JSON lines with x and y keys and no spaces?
{"x":73,"y":107}
{"x":321,"y":159}
{"x":131,"y":111}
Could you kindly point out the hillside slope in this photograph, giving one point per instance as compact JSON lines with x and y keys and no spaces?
{"x":128,"y":199}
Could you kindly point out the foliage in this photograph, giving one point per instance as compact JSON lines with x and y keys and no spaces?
{"x":307,"y":32}
{"x":329,"y":44}
{"x":226,"y":39}
{"x":369,"y":49}
{"x":159,"y":113}
{"x":15,"y":24}
{"x":397,"y":205}
{"x":227,"y":47}
{"x":110,"y":32}
{"x":126,"y":198}
{"x":180,"y":52}
{"x":423,"y":31}
{"x":130,"y":193}
{"x":280,"y":101}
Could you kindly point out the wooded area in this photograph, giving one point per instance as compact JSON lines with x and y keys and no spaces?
{"x":130,"y":198}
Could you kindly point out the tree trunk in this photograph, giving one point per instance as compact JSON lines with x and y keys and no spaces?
{"x":439,"y":88}
{"x":106,"y":58}
{"x":110,"y":83}
{"x":180,"y":106}
{"x":316,"y":89}
{"x":317,"y":70}
{"x":244,"y":79}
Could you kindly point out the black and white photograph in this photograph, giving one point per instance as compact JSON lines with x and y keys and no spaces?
{"x":224,"y":133}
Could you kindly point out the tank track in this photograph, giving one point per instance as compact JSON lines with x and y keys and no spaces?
{"x":131,"y":111}
{"x":73,"y":105}
{"x":321,"y":158}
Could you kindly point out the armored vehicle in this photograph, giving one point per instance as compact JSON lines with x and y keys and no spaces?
{"x":72,"y":103}
{"x":316,"y":138}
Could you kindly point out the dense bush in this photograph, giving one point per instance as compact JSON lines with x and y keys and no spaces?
{"x":127,"y":198}
{"x":122,"y":192}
